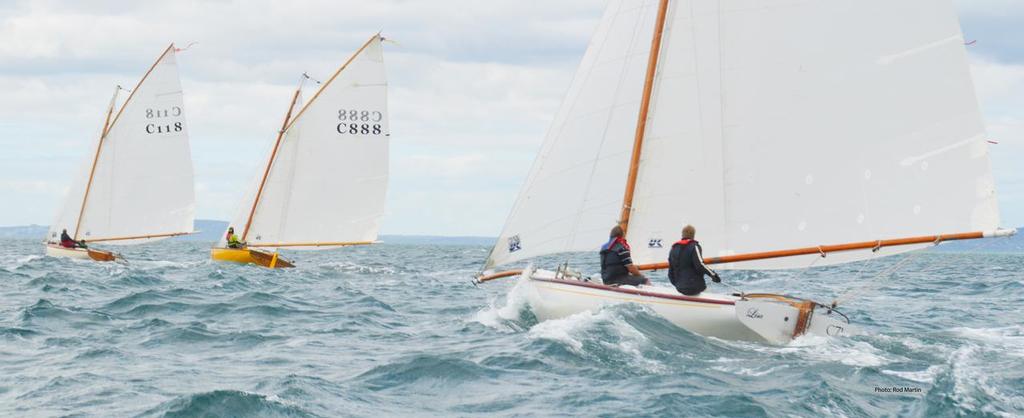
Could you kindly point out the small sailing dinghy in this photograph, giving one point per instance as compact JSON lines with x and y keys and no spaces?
{"x":325,"y":180}
{"x":137,"y":187}
{"x":774,"y":128}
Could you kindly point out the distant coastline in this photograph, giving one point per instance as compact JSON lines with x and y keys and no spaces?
{"x":210,"y":230}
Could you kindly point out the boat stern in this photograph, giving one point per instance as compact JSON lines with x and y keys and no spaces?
{"x":780,"y":319}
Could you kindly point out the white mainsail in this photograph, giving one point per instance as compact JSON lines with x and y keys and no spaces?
{"x":327,"y":182}
{"x":141,"y":186}
{"x":778,"y":124}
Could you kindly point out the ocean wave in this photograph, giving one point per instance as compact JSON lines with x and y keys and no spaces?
{"x":425,"y":370}
{"x":508,"y":316}
{"x":226,"y":403}
{"x":607,"y":336}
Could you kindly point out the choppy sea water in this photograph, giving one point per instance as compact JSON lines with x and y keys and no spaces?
{"x":400,"y":330}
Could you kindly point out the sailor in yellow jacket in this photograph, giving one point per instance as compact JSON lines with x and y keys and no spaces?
{"x":232,"y":238}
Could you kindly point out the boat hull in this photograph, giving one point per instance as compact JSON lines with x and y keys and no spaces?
{"x":79,"y":253}
{"x":249,"y":256}
{"x":708,"y":314}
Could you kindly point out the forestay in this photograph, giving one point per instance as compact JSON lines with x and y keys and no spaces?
{"x":574,"y":191}
{"x":774,"y":124}
{"x":142,"y":182}
{"x":328,"y":180}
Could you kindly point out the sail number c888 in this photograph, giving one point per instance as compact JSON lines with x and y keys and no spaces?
{"x":160,"y":126}
{"x":360,"y":122}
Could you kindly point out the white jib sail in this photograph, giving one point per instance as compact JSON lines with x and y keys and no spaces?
{"x":142,"y":182}
{"x":782,"y":125}
{"x":573,"y":194}
{"x":328,"y":181}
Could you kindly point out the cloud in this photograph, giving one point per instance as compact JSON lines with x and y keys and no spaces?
{"x":473,"y":86}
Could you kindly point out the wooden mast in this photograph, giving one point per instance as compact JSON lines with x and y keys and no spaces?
{"x":288,"y":121}
{"x":641,"y":123}
{"x":106,"y":129}
{"x":270,"y":162}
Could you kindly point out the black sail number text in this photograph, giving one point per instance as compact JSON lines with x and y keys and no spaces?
{"x":360,"y":122}
{"x":159,"y":124}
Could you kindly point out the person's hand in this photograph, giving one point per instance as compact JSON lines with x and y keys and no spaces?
{"x":716,"y":278}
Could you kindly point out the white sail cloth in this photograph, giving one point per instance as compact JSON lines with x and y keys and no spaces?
{"x":777,"y":124}
{"x":573,"y":194}
{"x":328,"y":181}
{"x":142,"y":183}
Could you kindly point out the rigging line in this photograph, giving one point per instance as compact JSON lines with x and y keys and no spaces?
{"x":187,"y":47}
{"x":307,"y":76}
{"x":848,"y":295}
{"x":857,"y":291}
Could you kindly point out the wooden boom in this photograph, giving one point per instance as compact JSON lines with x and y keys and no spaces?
{"x":310,"y":244}
{"x":823,"y":250}
{"x":172,"y":234}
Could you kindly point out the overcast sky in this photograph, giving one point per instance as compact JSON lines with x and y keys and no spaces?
{"x":473,"y":87}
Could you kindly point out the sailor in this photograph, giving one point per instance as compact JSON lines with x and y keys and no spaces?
{"x":686,"y":268}
{"x":67,"y":242}
{"x":616,"y":263}
{"x":232,"y":239}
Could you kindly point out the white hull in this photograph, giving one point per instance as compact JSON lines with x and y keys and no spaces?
{"x":58,"y":251}
{"x":708,"y":314}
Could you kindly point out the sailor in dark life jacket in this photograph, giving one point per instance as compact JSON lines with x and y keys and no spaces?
{"x":686,"y":267}
{"x":616,"y":263}
{"x":232,"y":239}
{"x":67,"y":242}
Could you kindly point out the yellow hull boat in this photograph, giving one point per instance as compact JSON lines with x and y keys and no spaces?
{"x":249,"y":256}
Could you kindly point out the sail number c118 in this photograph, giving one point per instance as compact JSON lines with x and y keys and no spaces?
{"x":164,"y":127}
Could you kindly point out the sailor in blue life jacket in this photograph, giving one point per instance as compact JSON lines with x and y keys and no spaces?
{"x":617,"y":264}
{"x":686,"y":268}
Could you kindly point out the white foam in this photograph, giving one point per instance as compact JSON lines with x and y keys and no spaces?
{"x":923,"y":376}
{"x":502,"y":317}
{"x":562,"y":329}
{"x":575,"y":330}
{"x":831,"y":350}
{"x":972,"y":370}
{"x":753,"y":372}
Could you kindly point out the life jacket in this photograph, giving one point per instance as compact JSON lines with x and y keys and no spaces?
{"x":684,"y":273}
{"x":611,"y":243}
{"x":612,"y":265}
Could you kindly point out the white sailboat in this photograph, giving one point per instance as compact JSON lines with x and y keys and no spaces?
{"x":774,"y":128}
{"x":137,"y":187}
{"x":325,"y":180}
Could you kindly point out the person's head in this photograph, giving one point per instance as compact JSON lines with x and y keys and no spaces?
{"x":64,"y":231}
{"x":231,"y":230}
{"x":616,"y":232}
{"x":689,"y":232}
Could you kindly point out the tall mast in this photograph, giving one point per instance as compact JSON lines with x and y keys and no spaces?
{"x":270,"y":162}
{"x":641,"y":124}
{"x":288,"y":121}
{"x":96,"y":157}
{"x":106,"y":129}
